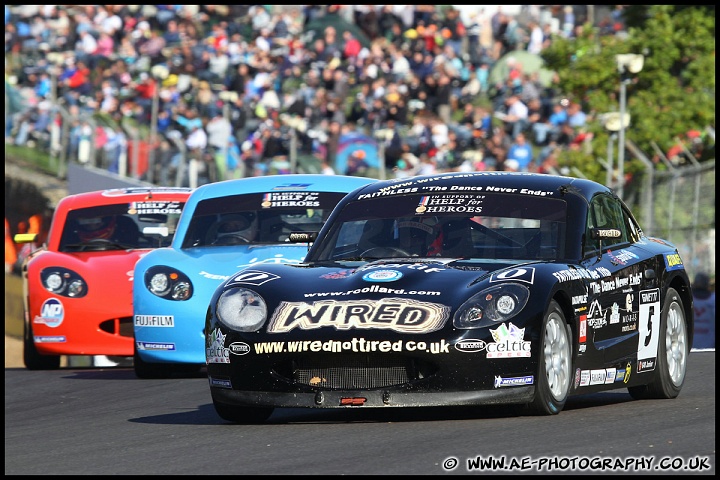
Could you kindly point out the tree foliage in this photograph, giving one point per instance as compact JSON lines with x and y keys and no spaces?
{"x":672,"y":94}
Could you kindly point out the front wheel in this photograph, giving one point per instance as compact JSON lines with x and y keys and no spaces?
{"x":33,"y":359}
{"x":554,"y":365}
{"x":673,"y":348}
{"x":241,"y":414}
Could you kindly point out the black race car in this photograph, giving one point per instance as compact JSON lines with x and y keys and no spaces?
{"x":456,"y":289}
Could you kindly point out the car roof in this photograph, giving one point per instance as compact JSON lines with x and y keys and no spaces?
{"x":458,"y":182}
{"x":121,"y":195}
{"x":267,"y":183}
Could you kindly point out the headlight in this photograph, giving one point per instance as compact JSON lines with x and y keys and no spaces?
{"x":491,"y":306}
{"x":62,"y":281}
{"x":168,"y":283}
{"x":241,"y":309}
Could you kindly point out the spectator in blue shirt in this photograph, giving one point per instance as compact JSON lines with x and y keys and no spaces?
{"x":521,"y":152}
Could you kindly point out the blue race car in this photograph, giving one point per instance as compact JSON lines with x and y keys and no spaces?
{"x":227,"y":226}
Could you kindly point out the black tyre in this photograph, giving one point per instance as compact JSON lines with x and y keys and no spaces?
{"x":32,"y":358}
{"x":240,"y":414}
{"x":673,"y":350}
{"x":552,"y":382}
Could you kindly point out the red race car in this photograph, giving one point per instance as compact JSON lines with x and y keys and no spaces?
{"x":77,"y":287}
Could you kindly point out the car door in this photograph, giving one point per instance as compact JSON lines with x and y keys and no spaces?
{"x":620,"y":270}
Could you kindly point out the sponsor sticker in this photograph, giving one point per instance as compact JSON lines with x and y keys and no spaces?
{"x":52,"y":313}
{"x":215,"y":351}
{"x":220,"y":382}
{"x":155,"y":346}
{"x":382,"y":276}
{"x":167,"y":321}
{"x":50,"y":339}
{"x":526,"y":275}
{"x":673,"y":262}
{"x":513,"y":381}
{"x":509,"y":342}
{"x":239,"y":348}
{"x":398,"y":314}
{"x":470,"y":345}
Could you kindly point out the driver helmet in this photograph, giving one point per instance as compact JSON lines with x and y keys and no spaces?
{"x":96,"y":227}
{"x":243,"y":225}
{"x":415,"y":236}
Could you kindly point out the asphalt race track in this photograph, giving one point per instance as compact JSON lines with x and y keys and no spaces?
{"x":95,"y":421}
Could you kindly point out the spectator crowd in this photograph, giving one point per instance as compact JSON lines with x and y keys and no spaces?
{"x":233,"y":87}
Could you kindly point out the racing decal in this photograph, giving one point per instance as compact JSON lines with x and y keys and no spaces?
{"x":570,"y":274}
{"x":397,"y":314}
{"x":382,"y":276}
{"x":213,"y":276}
{"x":215,"y":351}
{"x":622,"y":257}
{"x":582,"y":330}
{"x":648,"y":329}
{"x":447,"y":203}
{"x":614,"y":314}
{"x":220,"y":382}
{"x":385,"y":191}
{"x":519,"y":274}
{"x":577,"y":378}
{"x":598,"y":377}
{"x":253,"y":277}
{"x":513,"y":381}
{"x":49,"y":339}
{"x":239,"y":348}
{"x":470,"y":345}
{"x":277,"y":259}
{"x":167,"y":321}
{"x":579,"y":299}
{"x":660,"y":241}
{"x":509,"y":342}
{"x":292,"y":186}
{"x":337,"y":275}
{"x":673,"y":262}
{"x":142,"y":208}
{"x":608,"y":233}
{"x":155,"y":346}
{"x":358,"y":345}
{"x":630,"y":318}
{"x":290,"y":199}
{"x":616,"y":283}
{"x":52,"y":313}
{"x":596,"y":316}
{"x":119,"y":192}
{"x":412,"y":266}
{"x":373,"y":289}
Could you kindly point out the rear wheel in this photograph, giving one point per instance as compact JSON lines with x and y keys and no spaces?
{"x":552,"y":382}
{"x":33,"y":359}
{"x":241,"y":414}
{"x":673,"y":348}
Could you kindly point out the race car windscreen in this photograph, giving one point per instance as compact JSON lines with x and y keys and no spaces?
{"x":258,"y":218}
{"x":486,"y":226}
{"x":121,"y":226}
